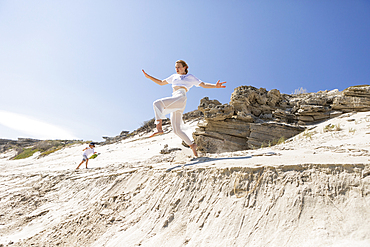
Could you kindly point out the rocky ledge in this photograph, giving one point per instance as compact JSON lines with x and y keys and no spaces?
{"x":256,"y":117}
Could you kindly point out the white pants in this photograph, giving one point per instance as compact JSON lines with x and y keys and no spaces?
{"x":176,"y":106}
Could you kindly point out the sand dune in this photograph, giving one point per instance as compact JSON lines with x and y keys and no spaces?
{"x":312,"y":190}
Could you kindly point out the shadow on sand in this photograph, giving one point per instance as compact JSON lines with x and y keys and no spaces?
{"x":201,"y":160}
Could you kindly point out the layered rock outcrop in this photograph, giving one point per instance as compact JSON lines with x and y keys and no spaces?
{"x":257,"y":117}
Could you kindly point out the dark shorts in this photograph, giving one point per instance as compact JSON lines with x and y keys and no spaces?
{"x":84,"y":157}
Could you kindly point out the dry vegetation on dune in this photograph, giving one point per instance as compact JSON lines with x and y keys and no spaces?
{"x":26,"y":147}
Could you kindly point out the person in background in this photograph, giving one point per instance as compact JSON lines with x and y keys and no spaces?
{"x":88,"y":152}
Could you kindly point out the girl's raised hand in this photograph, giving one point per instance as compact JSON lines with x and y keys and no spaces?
{"x":146,"y":75}
{"x":220,"y":84}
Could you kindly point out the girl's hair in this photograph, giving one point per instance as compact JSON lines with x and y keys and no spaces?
{"x":184,"y":64}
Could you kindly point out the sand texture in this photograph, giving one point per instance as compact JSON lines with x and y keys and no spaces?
{"x":312,"y":190}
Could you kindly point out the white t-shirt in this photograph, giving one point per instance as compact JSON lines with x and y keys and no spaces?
{"x":88,"y":152}
{"x":187,"y":80}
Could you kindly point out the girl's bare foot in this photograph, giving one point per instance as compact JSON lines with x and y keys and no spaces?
{"x":194,"y":148}
{"x":158,"y":132}
{"x":159,"y":129}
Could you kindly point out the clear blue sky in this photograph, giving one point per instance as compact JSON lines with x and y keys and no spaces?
{"x":74,"y":67}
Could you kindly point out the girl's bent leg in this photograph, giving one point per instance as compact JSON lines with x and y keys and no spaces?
{"x":167,"y":105}
{"x":158,"y":107}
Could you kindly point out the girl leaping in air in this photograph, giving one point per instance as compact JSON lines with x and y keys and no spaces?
{"x":181,"y":83}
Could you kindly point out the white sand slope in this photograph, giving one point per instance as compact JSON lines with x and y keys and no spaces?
{"x":312,"y":190}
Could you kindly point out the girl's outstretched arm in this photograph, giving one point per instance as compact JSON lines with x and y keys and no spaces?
{"x":210,"y":85}
{"x":159,"y":82}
